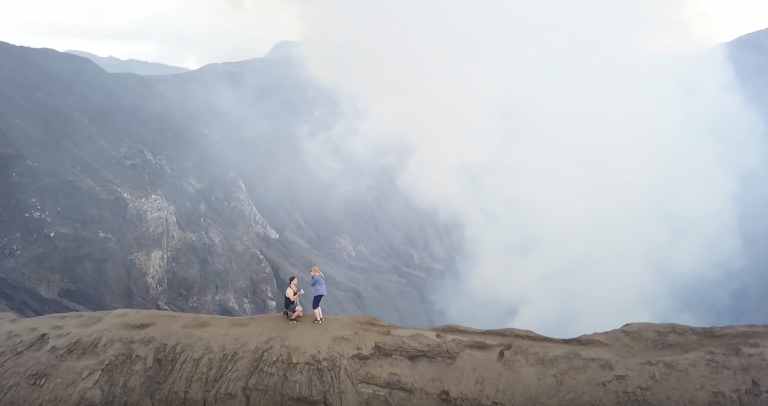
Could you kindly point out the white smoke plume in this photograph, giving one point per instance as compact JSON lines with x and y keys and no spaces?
{"x":593,"y":160}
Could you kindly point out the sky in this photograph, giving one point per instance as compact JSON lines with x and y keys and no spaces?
{"x":188,"y":33}
{"x":735,"y":18}
{"x":596,"y":173}
{"x":192,"y":33}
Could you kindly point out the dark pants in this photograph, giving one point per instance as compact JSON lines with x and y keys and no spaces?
{"x":291,"y":308}
{"x":316,"y":301}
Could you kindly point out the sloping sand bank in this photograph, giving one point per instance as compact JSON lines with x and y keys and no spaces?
{"x":152,"y":358}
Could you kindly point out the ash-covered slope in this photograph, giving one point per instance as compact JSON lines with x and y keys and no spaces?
{"x":193,"y":193}
{"x":131,"y":357}
{"x":108,"y":200}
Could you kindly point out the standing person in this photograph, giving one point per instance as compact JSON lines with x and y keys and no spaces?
{"x":292,"y":307}
{"x":318,"y":291}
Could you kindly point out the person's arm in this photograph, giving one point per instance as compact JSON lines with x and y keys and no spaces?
{"x":314,"y":280}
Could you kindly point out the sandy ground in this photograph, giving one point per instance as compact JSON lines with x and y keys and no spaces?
{"x":131,"y":357}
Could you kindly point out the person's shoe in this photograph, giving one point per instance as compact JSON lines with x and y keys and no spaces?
{"x":285,"y":313}
{"x":322,"y":319}
{"x":317,"y":321}
{"x":293,"y":321}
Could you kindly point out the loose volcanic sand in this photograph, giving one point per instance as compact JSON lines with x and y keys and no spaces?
{"x":153,"y":358}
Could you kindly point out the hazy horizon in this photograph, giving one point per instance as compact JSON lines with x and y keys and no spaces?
{"x":142,"y":31}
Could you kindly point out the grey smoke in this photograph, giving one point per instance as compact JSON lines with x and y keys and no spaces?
{"x":592,"y":151}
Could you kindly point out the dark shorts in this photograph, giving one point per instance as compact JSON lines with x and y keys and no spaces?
{"x":316,"y":301}
{"x":291,"y":308}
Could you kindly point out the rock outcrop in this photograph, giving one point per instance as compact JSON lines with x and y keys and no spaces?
{"x":130,"y":357}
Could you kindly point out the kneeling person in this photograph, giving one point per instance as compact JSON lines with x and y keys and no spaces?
{"x":292,"y":307}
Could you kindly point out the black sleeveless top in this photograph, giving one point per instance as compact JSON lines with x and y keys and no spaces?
{"x":288,"y":301}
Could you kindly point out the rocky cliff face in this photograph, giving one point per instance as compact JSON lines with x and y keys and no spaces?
{"x":190,"y":193}
{"x":133,"y":357}
{"x":104,"y":204}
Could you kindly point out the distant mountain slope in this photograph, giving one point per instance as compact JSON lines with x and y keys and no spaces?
{"x":116,"y":65}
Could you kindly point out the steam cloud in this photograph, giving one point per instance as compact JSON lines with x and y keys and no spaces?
{"x":594,"y":159}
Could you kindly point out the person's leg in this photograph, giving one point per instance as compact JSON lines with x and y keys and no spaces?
{"x":298,"y":311}
{"x":315,"y":306}
{"x":293,"y":310}
{"x":319,"y":309}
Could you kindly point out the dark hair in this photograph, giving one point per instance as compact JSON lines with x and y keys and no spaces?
{"x":291,"y":279}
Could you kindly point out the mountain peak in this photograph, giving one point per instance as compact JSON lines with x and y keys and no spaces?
{"x":284,"y":49}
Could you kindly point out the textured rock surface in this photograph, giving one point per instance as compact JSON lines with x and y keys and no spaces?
{"x":102,"y":207}
{"x":192,"y":193}
{"x":131,"y":357}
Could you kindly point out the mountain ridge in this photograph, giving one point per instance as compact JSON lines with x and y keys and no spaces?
{"x":116,"y":65}
{"x":282,"y":49}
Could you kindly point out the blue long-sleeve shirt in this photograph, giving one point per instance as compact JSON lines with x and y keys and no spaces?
{"x":318,"y":285}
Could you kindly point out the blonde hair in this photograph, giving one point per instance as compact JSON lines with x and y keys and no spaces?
{"x":315,"y":270}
